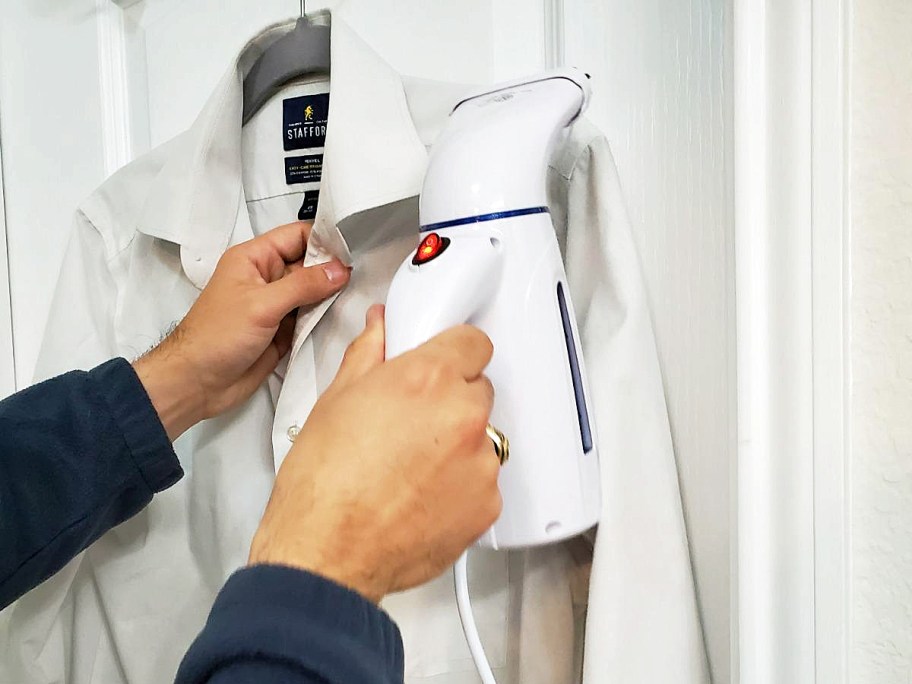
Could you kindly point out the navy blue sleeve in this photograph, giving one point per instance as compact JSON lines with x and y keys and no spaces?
{"x":277,"y":625}
{"x":79,"y":454}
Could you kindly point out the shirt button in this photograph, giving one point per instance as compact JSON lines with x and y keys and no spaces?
{"x":292,"y":433}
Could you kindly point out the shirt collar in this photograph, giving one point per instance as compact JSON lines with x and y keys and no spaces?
{"x":373,"y":155}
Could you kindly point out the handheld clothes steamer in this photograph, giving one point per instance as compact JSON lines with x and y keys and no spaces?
{"x":489,"y":256}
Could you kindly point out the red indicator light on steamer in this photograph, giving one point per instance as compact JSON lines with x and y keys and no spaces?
{"x":431,"y":247}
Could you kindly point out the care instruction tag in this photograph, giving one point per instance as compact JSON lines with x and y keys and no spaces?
{"x":305,"y":121}
{"x":307,"y":169}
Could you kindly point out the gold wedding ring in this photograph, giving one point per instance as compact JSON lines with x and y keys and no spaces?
{"x":501,"y":443}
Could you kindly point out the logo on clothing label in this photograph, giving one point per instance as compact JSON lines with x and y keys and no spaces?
{"x":305,"y":121}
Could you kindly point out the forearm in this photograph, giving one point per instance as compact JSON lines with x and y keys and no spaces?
{"x":278,"y":625}
{"x":171,"y":385}
{"x":79,"y":454}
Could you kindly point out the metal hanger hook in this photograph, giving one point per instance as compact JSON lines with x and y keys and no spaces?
{"x":303,"y":9}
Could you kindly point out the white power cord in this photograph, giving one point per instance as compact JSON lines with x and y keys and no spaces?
{"x":461,"y":580}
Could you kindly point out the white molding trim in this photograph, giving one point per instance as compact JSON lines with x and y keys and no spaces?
{"x":555,"y":54}
{"x":115,"y":93}
{"x":832,"y":357}
{"x":7,"y":349}
{"x":751,"y":286}
{"x":791,"y":290}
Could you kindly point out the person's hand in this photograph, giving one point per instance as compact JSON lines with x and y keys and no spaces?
{"x":392,"y":476}
{"x":237,"y":331}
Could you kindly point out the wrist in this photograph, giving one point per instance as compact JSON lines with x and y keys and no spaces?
{"x":176,"y":396}
{"x":264,"y":551}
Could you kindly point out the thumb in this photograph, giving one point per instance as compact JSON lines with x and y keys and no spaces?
{"x":303,"y":286}
{"x":366,"y":352}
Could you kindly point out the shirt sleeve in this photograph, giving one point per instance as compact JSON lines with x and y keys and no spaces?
{"x":278,"y":625}
{"x":79,"y":454}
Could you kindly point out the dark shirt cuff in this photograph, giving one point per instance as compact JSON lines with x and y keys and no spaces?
{"x":284,"y":618}
{"x":126,"y":398}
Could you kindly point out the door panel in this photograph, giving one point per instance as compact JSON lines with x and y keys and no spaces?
{"x":86,"y":85}
{"x":661,"y":94}
{"x":52,"y":152}
{"x":162,"y":40}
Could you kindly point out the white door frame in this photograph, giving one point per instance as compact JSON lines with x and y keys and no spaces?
{"x":114,"y":83}
{"x":791,"y":126}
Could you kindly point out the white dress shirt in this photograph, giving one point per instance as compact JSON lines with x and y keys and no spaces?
{"x":148,"y":240}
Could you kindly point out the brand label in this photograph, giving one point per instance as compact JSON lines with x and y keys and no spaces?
{"x":305,"y":121}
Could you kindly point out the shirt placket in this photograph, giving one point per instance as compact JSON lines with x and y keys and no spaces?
{"x":299,"y":390}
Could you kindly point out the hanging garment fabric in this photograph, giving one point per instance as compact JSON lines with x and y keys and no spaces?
{"x":145,"y":244}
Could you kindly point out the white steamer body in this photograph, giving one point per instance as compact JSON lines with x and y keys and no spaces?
{"x":489,"y":257}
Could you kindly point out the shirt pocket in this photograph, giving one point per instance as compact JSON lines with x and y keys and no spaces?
{"x":429,"y":621}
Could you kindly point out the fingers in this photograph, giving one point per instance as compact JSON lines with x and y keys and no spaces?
{"x":303,"y":286}
{"x":479,"y":393}
{"x":288,"y":241}
{"x":375,"y":314}
{"x":256,"y":375}
{"x":482,"y":393}
{"x":366,"y":352}
{"x":271,"y":251}
{"x":466,"y":347}
{"x":284,"y":335}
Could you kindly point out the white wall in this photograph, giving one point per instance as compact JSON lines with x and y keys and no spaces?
{"x":882,"y":342}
